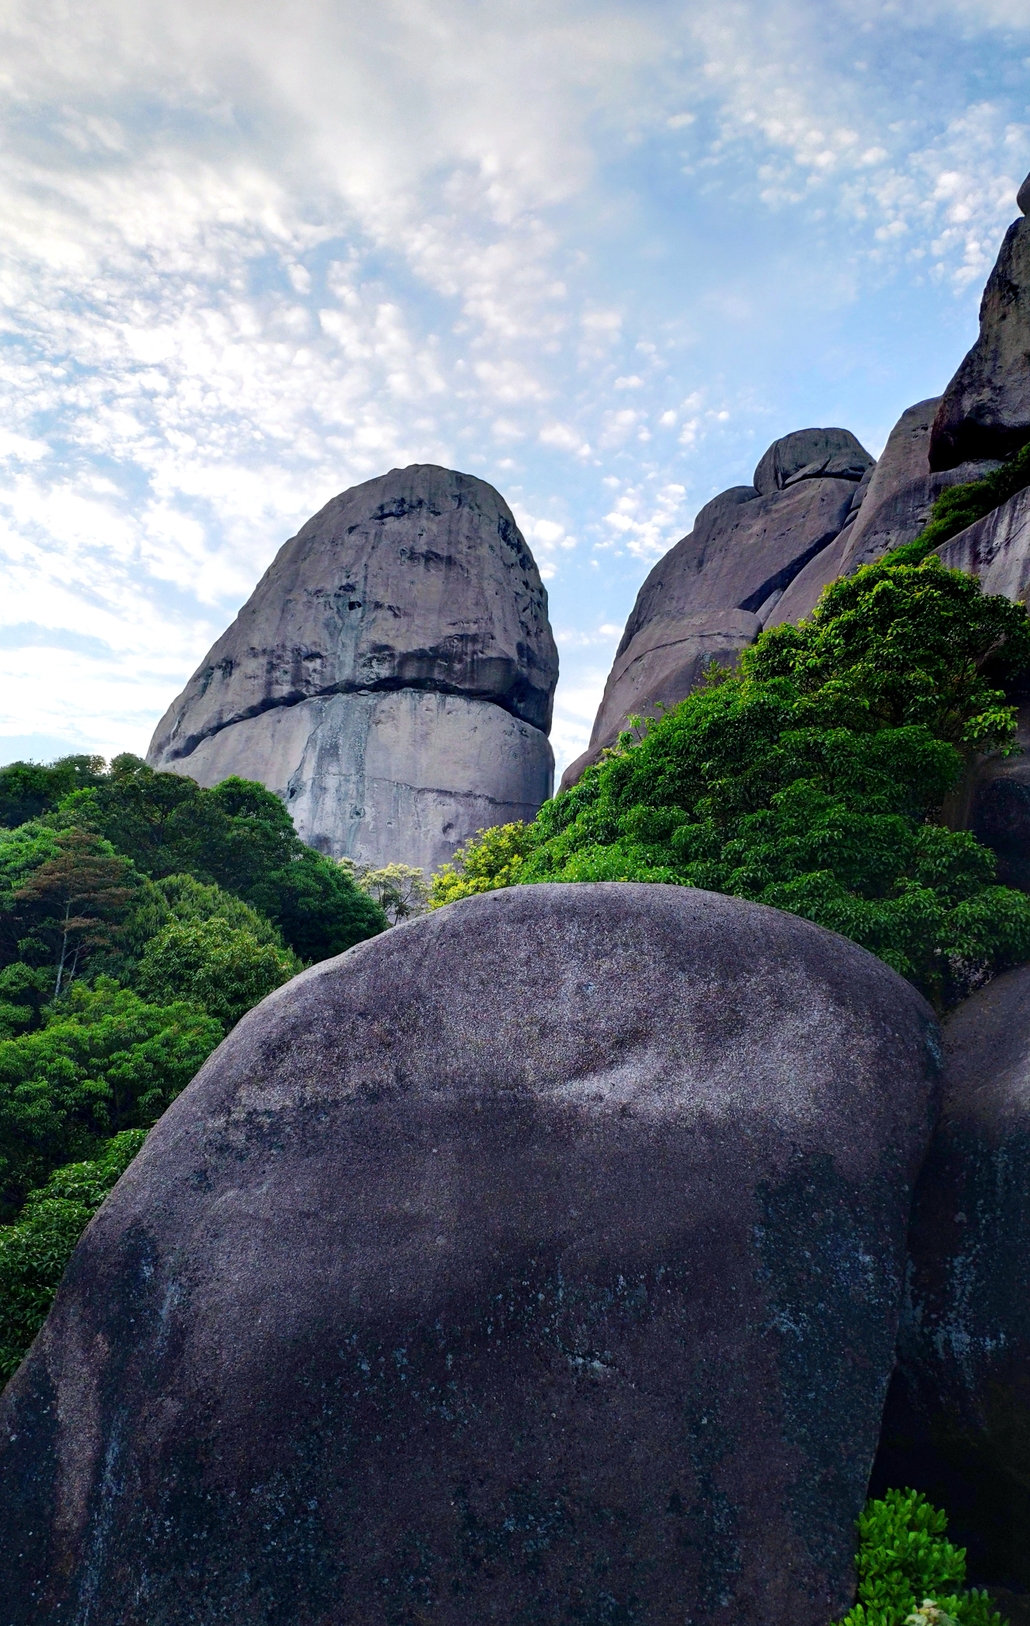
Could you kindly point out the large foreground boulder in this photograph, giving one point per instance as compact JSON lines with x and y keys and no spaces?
{"x":417,"y":583}
{"x":537,"y":1262}
{"x":711,"y":594}
{"x":958,"y":1420}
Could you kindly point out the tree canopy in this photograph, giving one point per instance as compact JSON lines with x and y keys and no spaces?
{"x":817,"y":778}
{"x":140,"y":917}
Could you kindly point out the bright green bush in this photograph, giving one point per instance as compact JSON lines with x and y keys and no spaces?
{"x":221,"y":969}
{"x":106,"y":1060}
{"x":815,"y":779}
{"x":493,"y":860}
{"x":35,"y":1251}
{"x":904,"y":1561}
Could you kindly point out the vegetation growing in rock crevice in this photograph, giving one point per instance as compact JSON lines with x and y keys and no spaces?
{"x":814,"y":778}
{"x":962,"y":505}
{"x":908,"y":1572}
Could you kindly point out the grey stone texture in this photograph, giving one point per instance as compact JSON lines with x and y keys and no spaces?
{"x":985,"y":410}
{"x":538,"y":1261}
{"x":417,"y":582}
{"x":398,"y":772}
{"x":710,"y":595}
{"x":896,"y":505}
{"x":808,"y":453}
{"x":958,"y":1420}
{"x":996,"y":549}
{"x":1023,"y":197}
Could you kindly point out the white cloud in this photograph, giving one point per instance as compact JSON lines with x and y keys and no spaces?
{"x":251,"y":256}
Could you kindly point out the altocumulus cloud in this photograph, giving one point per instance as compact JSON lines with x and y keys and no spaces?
{"x":599,"y":254}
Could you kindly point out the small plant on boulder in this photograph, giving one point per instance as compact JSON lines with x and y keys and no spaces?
{"x":909,"y":1574}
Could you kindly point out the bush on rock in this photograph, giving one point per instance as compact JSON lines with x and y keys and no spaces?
{"x":908,"y":1571}
{"x":816,"y":778}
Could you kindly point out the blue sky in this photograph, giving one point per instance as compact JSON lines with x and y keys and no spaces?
{"x":599,"y":254}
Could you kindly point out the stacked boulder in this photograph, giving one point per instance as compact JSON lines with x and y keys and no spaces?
{"x":711,"y":594}
{"x":957,"y":1423}
{"x":391,"y":677}
{"x":819,"y":508}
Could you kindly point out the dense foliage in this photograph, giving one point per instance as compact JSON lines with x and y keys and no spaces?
{"x":140,"y":917}
{"x":909,"y":1572}
{"x":819,"y":777}
{"x":34,"y":1253}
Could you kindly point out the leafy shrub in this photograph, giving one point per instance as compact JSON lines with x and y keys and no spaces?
{"x":35,"y":1251}
{"x":106,"y":1060}
{"x":220,"y":968}
{"x":815,"y":779}
{"x":907,"y":1570}
{"x":493,"y":860}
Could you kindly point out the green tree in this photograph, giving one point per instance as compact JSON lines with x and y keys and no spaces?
{"x":106,"y":1060}
{"x":68,"y":900}
{"x":191,"y":900}
{"x":316,"y":906}
{"x":35,"y":1251}
{"x":400,"y":890}
{"x":220,"y":968}
{"x":28,"y":789}
{"x":238,"y":836}
{"x":816,"y":779}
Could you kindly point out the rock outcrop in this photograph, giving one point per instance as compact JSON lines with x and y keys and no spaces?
{"x":958,"y":1420}
{"x":997,"y":550}
{"x":985,"y":410}
{"x":710,"y":595}
{"x":894,"y":507}
{"x":540,"y":1259}
{"x":391,"y":676}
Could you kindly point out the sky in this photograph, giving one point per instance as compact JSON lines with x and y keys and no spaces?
{"x":599,"y":254}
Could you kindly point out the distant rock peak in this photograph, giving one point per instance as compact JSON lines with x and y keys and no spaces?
{"x":415,"y":584}
{"x":808,"y":454}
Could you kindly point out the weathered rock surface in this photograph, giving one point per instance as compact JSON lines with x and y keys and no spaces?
{"x":996,"y":549}
{"x":402,"y":772}
{"x":417,"y":581}
{"x":809,"y":453}
{"x":720,"y":583}
{"x":985,"y":410}
{"x":537,"y":1261}
{"x":958,"y":1420}
{"x":900,"y":494}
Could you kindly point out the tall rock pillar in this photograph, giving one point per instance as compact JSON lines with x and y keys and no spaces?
{"x":391,"y":676}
